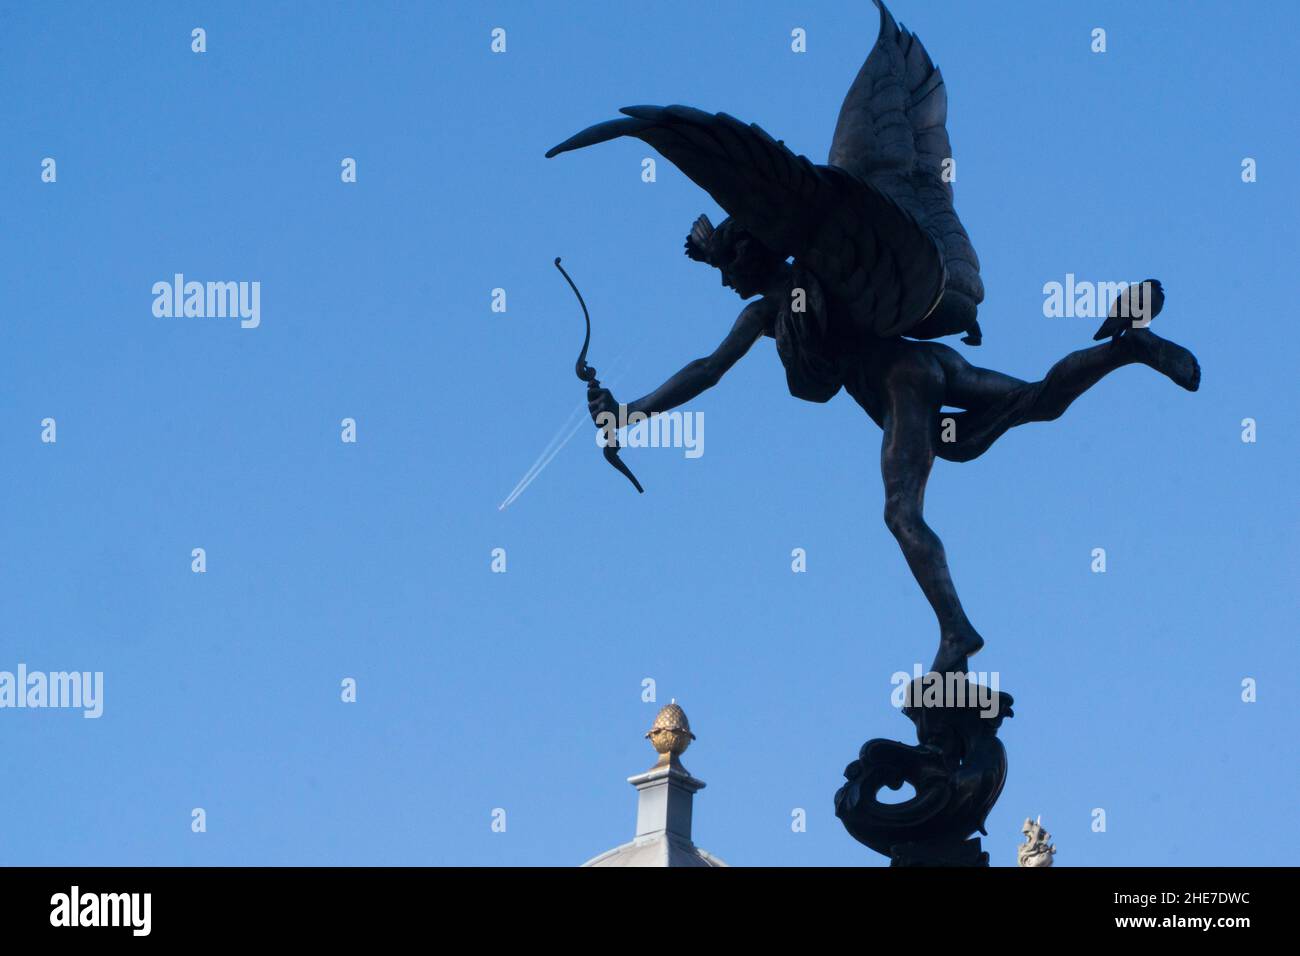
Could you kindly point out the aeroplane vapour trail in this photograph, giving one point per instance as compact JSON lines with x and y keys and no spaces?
{"x":545,"y":459}
{"x":554,"y":446}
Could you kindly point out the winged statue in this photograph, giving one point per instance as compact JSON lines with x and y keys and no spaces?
{"x":854,"y":266}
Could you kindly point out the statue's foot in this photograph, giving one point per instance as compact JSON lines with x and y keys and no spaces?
{"x":1166,"y":357}
{"x":954,"y":649}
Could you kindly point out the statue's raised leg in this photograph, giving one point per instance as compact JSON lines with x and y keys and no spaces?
{"x":995,"y":402}
{"x":1079,"y":371}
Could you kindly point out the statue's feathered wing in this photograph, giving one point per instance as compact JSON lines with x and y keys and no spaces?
{"x":875,"y":240}
{"x":892,"y":132}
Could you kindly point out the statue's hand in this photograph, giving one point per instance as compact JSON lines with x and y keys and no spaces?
{"x":600,"y":401}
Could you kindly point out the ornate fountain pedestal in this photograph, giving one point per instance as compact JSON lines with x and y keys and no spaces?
{"x":957,"y":768}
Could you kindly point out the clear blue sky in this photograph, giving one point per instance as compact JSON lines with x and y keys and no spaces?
{"x":523,"y":691}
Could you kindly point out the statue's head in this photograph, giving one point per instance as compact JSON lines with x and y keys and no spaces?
{"x":746,"y":264}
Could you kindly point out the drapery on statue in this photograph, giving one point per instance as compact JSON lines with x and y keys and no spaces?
{"x":880,"y":260}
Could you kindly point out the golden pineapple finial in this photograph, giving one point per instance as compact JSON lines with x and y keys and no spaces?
{"x":670,"y":734}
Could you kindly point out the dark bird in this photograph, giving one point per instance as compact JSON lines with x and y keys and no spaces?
{"x":1140,"y":303}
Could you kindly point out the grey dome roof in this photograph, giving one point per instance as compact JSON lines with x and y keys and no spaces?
{"x":659,"y":850}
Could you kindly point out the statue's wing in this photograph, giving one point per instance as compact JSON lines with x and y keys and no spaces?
{"x":892,"y":133}
{"x":869,"y":252}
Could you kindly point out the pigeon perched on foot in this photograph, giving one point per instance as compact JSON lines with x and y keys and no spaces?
{"x":1140,"y":302}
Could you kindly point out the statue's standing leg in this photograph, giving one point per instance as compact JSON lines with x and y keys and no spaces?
{"x":913,"y":393}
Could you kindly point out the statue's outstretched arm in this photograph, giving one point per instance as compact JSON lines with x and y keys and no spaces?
{"x":704,"y":373}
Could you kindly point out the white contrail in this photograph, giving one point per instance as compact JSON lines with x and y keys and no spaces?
{"x":531,"y":475}
{"x":560,"y":439}
{"x":556,"y":444}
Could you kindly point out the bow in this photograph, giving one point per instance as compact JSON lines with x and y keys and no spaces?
{"x":587,"y":374}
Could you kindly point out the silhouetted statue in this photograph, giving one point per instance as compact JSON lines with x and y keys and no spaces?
{"x":880,"y":260}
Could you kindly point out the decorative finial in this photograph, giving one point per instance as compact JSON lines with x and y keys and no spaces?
{"x":670,"y":734}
